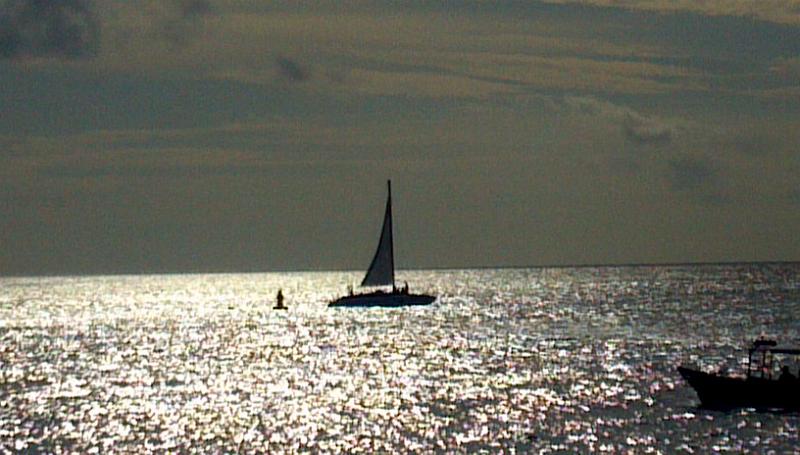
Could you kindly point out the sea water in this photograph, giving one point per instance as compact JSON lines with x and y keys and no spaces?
{"x":528,"y":360}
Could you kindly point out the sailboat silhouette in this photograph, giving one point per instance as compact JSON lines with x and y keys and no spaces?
{"x":381,"y":273}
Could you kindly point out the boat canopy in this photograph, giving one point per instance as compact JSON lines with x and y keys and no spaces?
{"x":787,"y":351}
{"x":764,"y":345}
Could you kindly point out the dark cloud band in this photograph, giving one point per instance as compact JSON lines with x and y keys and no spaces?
{"x":46,"y":28}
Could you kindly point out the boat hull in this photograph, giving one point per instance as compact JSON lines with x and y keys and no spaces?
{"x":382,"y":299}
{"x":724,"y":392}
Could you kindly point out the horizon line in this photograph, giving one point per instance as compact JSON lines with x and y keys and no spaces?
{"x":413,"y":269}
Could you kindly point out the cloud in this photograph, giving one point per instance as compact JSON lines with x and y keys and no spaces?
{"x":755,"y":144}
{"x":636,"y":127}
{"x":253,"y":44}
{"x":647,"y":131}
{"x":44,"y":28}
{"x":690,"y":173}
{"x":780,"y":11}
{"x":787,"y":69}
{"x":782,"y":94}
{"x":291,"y":70}
{"x":149,"y":170}
{"x":179,"y":21}
{"x":436,"y":55}
{"x":192,"y":8}
{"x":793,"y":196}
{"x":785,"y":72}
{"x":71,"y":29}
{"x":699,"y":179}
{"x":781,"y":81}
{"x":428,"y":84}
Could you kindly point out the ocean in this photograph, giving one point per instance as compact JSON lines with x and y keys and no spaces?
{"x":540,"y":360}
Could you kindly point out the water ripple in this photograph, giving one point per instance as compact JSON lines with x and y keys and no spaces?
{"x":545,"y":360}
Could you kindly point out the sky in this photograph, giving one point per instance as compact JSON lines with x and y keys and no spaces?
{"x":251,"y":135}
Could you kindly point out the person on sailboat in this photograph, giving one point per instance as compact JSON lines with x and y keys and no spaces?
{"x":786,"y":375}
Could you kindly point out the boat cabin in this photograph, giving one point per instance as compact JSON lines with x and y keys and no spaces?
{"x":762,"y":355}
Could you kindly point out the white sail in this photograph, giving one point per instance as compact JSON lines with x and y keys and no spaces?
{"x":381,"y":270}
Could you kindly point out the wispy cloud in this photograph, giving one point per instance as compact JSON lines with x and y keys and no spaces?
{"x":391,"y":52}
{"x":152,"y":170}
{"x":636,"y":126}
{"x":781,"y":11}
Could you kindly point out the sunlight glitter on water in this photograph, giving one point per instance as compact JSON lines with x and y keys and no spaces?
{"x":543,"y":360}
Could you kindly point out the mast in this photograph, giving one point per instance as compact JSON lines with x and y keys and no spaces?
{"x":391,"y":233}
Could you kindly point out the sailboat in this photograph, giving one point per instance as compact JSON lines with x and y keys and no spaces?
{"x":381,"y":273}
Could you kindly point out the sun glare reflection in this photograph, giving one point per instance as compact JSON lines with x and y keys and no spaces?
{"x":542,"y":360}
